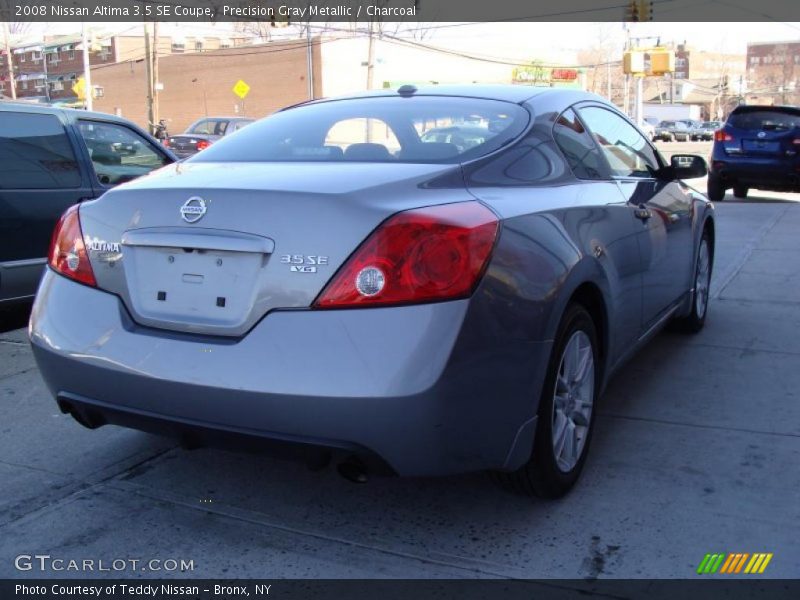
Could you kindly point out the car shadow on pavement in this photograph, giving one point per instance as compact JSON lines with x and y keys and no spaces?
{"x":14,"y":317}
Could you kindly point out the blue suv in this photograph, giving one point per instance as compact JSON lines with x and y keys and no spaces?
{"x":757,"y":147}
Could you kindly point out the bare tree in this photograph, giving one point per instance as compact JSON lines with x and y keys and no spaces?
{"x":603,"y":62}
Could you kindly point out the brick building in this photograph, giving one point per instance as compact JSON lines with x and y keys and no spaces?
{"x":47,"y":70}
{"x":200,"y":83}
{"x":772,"y":72}
{"x":699,"y":64}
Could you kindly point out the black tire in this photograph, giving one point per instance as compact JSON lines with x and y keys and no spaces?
{"x":715,"y":189}
{"x":541,"y":476}
{"x":740,"y":191}
{"x":696,"y":319}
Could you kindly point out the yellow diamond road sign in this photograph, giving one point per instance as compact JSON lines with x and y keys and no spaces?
{"x":241,"y":89}
{"x":80,"y":88}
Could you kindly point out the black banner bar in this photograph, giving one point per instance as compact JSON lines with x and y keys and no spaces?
{"x":733,"y":588}
{"x":320,"y":11}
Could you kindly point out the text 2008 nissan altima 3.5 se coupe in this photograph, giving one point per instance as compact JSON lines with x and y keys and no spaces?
{"x":332,"y":279}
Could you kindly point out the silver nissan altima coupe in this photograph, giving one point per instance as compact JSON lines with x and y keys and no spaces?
{"x":331,"y":280}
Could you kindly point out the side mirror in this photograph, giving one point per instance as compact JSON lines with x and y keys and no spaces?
{"x":688,"y":166}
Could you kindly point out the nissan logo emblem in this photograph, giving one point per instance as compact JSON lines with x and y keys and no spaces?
{"x":193,"y":209}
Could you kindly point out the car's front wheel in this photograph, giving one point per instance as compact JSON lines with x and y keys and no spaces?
{"x":715,"y":189}
{"x":566,"y":411}
{"x":696,"y":319}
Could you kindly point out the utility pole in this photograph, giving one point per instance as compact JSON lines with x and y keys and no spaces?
{"x":87,"y":75}
{"x":371,"y":54}
{"x":148,"y":61}
{"x":7,"y":40}
{"x":309,"y":62}
{"x":156,"y":115}
{"x":370,"y":70}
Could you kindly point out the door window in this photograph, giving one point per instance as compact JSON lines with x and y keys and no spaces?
{"x":578,"y":147}
{"x":35,"y":153}
{"x":627,"y":152}
{"x":118,"y":153}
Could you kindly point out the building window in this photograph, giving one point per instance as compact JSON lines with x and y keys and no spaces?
{"x":71,"y":55}
{"x":178,"y":46}
{"x":24,"y":85}
{"x":54,"y":58}
{"x":198,"y":45}
{"x":105,"y":53}
{"x":57,"y":86}
{"x":22,"y":57}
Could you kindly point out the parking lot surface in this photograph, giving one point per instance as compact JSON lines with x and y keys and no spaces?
{"x":696,"y":451}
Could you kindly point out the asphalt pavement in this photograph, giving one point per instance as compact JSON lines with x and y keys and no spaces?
{"x":696,"y":451}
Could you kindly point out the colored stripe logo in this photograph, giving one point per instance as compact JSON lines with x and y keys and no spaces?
{"x":734,"y":563}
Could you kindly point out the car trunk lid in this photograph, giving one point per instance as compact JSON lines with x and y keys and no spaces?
{"x":211,"y":248}
{"x":186,"y":144}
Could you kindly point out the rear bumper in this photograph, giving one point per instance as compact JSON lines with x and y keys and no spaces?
{"x":763,"y":173}
{"x":429,"y":389}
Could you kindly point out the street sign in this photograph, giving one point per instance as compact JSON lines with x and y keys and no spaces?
{"x":241,"y":89}
{"x":80,"y":88}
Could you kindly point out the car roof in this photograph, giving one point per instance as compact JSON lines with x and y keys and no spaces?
{"x":767,"y":107}
{"x":72,"y":113}
{"x":506,"y":92}
{"x":215,"y":118}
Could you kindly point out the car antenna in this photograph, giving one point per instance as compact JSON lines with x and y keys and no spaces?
{"x":407,"y":90}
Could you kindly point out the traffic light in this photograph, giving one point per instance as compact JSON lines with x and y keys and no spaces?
{"x":645,"y":10}
{"x":662,"y":60}
{"x":639,"y":10}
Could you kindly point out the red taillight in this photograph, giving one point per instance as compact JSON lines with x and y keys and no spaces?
{"x":165,"y":142}
{"x":720,"y":135}
{"x":67,"y":252}
{"x":202,"y":145}
{"x":421,"y":255}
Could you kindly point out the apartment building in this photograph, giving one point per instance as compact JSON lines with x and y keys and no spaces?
{"x":772,"y":72}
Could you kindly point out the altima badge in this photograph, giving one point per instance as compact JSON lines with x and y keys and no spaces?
{"x":193,"y":209}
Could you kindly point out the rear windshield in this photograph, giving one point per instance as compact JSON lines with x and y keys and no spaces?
{"x":765,"y":119}
{"x":421,"y":129}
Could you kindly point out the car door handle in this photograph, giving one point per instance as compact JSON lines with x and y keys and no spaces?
{"x":642,"y":212}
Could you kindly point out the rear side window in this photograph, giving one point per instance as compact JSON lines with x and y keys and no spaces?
{"x":577,"y":146}
{"x":765,"y":119}
{"x":209,"y":127}
{"x":35,"y":153}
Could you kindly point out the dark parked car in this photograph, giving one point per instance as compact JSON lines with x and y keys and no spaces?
{"x":204,"y":132}
{"x":672,"y":131}
{"x":50,"y":159}
{"x":704,"y":131}
{"x":333,"y":280}
{"x":757,"y":147}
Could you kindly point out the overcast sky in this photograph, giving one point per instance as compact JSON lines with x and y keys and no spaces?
{"x":526,"y":41}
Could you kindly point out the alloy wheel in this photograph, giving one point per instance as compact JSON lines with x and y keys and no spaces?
{"x":703,"y":279}
{"x":572,"y":401}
